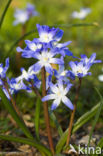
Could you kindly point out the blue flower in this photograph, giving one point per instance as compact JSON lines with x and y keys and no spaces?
{"x":3,"y":70}
{"x":48,"y":35}
{"x":79,"y":69}
{"x":62,"y":74}
{"x":58,"y":94}
{"x":46,"y":58}
{"x":61,"y":48}
{"x":91,"y":60}
{"x":29,"y":75}
{"x":23,"y":15}
{"x":31,"y":48}
{"x":14,"y":87}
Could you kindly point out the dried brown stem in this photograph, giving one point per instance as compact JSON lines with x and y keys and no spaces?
{"x":46,"y":114}
{"x":73,"y":113}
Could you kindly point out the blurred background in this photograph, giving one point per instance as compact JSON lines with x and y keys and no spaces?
{"x":85,"y":40}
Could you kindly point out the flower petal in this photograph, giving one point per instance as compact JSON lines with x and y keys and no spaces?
{"x":67,"y":102}
{"x":48,"y":97}
{"x":56,"y":61}
{"x":49,"y":69}
{"x":55,"y":104}
{"x":37,"y":66}
{"x":72,"y":64}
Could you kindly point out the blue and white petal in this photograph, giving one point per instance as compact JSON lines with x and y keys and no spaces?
{"x":48,"y":97}
{"x":67,"y":102}
{"x":55,"y":104}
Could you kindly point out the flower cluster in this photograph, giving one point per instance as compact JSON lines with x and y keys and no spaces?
{"x":47,"y":51}
{"x":23,"y":15}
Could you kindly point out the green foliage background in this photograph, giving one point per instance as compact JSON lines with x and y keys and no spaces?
{"x":85,"y":39}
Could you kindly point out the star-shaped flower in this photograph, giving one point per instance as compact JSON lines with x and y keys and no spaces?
{"x":45,"y":59}
{"x":58,"y":94}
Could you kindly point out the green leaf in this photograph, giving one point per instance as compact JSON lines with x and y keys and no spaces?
{"x":53,"y":117}
{"x":4,"y":13}
{"x":100,"y":143}
{"x":14,"y":114}
{"x":33,"y":143}
{"x":96,"y":117}
{"x":80,"y":122}
{"x":37,"y":116}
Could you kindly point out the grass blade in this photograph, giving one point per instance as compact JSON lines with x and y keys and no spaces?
{"x":53,"y":117}
{"x":96,"y":117}
{"x":15,"y":116}
{"x":80,"y":122}
{"x":4,"y":12}
{"x":33,"y":143}
{"x":37,"y":116}
{"x":100,"y":144}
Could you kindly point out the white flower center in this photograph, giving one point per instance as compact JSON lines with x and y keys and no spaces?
{"x":17,"y":86}
{"x":60,"y":94}
{"x":45,"y":60}
{"x":79,"y":71}
{"x":45,"y":37}
{"x":33,"y":47}
{"x":63,"y":73}
{"x":39,"y":46}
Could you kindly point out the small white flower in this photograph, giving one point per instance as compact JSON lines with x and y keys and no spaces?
{"x":100,"y":77}
{"x":82,"y":14}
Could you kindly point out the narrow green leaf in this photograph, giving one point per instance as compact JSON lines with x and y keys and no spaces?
{"x":100,"y":143}
{"x":96,"y":117}
{"x":37,"y":117}
{"x":80,"y":122}
{"x":33,"y":143}
{"x":15,"y":116}
{"x":4,"y":12}
{"x":85,"y":118}
{"x":53,"y":117}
